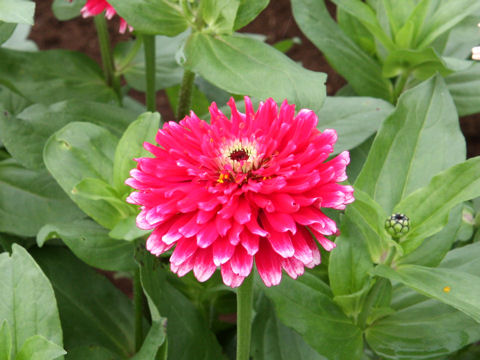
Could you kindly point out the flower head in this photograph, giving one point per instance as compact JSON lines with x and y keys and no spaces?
{"x":96,"y":7}
{"x":234,"y":191}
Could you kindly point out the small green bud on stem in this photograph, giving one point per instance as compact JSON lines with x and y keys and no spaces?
{"x":397,"y":225}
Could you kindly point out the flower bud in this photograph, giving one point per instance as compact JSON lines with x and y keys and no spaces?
{"x":397,"y":225}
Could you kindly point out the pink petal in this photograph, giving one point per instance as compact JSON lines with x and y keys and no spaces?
{"x":243,"y":214}
{"x":207,"y":235}
{"x":280,"y":222}
{"x":269,"y":264}
{"x":222,"y":251}
{"x":241,"y":262}
{"x":229,"y":277}
{"x":204,"y":266}
{"x":183,"y":250}
{"x":293,"y":267}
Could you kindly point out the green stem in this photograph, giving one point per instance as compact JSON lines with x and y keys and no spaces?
{"x":185,"y":96}
{"x":138,"y":302}
{"x":244,"y":317}
{"x":106,"y":52}
{"x":151,"y":95}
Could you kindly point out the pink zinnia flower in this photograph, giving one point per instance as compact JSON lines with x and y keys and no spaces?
{"x":236,"y":190}
{"x":96,"y":7}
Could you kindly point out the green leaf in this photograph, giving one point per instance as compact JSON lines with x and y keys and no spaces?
{"x":66,"y":10}
{"x":354,"y":118}
{"x":79,"y":151}
{"x":462,"y":38}
{"x":102,"y":202}
{"x":463,"y":259}
{"x":446,"y":15}
{"x":30,"y":199}
{"x":421,"y":63}
{"x":239,"y":64}
{"x":425,"y":330}
{"x":464,"y":86}
{"x":364,"y":13}
{"x":39,"y":348}
{"x":349,"y":266}
{"x":92,"y":352}
{"x":11,"y":101}
{"x":20,"y":279}
{"x":271,"y":340}
{"x":90,"y":242}
{"x":19,"y":39}
{"x":247,"y":11}
{"x":315,"y":313}
{"x":219,"y":15}
{"x":126,"y":229}
{"x":17,"y":11}
{"x":361,"y":71}
{"x":25,"y":135}
{"x":160,"y":17}
{"x":428,"y":208}
{"x":51,"y":76}
{"x":6,"y":30}
{"x":355,"y":30}
{"x":167,"y":73}
{"x":424,"y":123}
{"x":130,"y":147}
{"x":434,"y":248}
{"x":455,"y":288}
{"x":5,"y":341}
{"x":181,"y":315}
{"x":154,"y":340}
{"x":92,"y":310}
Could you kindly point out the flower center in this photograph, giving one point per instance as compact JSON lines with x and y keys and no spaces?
{"x":239,"y":155}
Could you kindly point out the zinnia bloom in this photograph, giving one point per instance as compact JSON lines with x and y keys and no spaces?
{"x":234,"y":191}
{"x":96,"y":7}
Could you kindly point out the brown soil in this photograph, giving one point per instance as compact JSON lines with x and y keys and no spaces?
{"x":275,"y":22}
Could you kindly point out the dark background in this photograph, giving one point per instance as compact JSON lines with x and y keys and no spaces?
{"x":276,"y":22}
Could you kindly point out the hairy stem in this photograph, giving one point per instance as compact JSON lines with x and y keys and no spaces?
{"x":244,"y":317}
{"x":185,"y":96}
{"x":151,"y":96}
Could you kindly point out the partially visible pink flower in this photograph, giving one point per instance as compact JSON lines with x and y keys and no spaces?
{"x":234,"y":192}
{"x":96,"y":7}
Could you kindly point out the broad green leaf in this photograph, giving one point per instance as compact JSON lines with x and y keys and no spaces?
{"x":464,"y":86}
{"x":159,"y":17}
{"x":358,"y":156}
{"x":421,"y":63}
{"x":446,"y":15}
{"x":247,"y":11}
{"x":361,"y":71}
{"x":39,"y":348}
{"x":21,"y":279}
{"x":354,"y":118}
{"x":30,"y":199}
{"x":17,"y":11}
{"x":102,"y":201}
{"x":154,"y":340}
{"x":434,"y":248}
{"x":463,"y":37}
{"x":51,"y":76}
{"x":92,"y":310}
{"x":425,"y":330}
{"x":349,"y":265}
{"x":219,"y":15}
{"x":466,"y":258}
{"x":424,"y":123}
{"x":79,"y":151}
{"x":90,"y":242}
{"x":168,"y":72}
{"x":239,"y":64}
{"x":6,"y":30}
{"x":315,"y":313}
{"x":92,"y":352}
{"x":452,"y":287}
{"x":66,"y":10}
{"x":364,"y":13}
{"x":11,"y":102}
{"x":271,"y":340}
{"x":126,"y":229}
{"x":25,"y":135}
{"x":355,"y":30}
{"x":19,"y":39}
{"x":130,"y":147}
{"x":184,"y":322}
{"x":5,"y":341}
{"x":367,"y":221}
{"x":428,"y":208}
